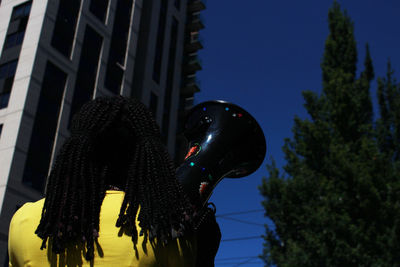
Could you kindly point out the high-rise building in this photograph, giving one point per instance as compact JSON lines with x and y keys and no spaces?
{"x":58,"y":54}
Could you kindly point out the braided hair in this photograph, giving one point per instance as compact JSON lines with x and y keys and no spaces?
{"x":86,"y":165}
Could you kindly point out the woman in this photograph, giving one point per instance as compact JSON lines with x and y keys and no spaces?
{"x":111,"y":199}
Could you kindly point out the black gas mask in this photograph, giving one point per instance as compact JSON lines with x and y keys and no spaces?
{"x":224,"y":141}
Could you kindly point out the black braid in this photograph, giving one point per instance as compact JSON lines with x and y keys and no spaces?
{"x":83,"y":169}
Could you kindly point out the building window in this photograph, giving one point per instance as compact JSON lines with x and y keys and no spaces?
{"x":99,"y":9}
{"x":14,"y":39}
{"x":1,"y":129}
{"x":87,"y":70}
{"x":4,"y":98}
{"x":65,"y":26}
{"x":17,"y":25}
{"x":7,"y":73}
{"x":21,"y":11}
{"x":153,"y":104}
{"x":18,"y":22}
{"x":160,"y":41}
{"x":177,"y":4}
{"x":44,"y":127}
{"x":8,"y":69}
{"x":119,"y":41}
{"x":170,"y":79}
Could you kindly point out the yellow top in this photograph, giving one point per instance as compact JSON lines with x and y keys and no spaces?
{"x":113,"y":248}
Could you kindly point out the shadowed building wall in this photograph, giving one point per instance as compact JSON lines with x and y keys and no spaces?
{"x":58,"y":54}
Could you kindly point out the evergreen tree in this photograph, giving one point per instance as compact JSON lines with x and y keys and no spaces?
{"x":336,"y":204}
{"x":388,"y":125}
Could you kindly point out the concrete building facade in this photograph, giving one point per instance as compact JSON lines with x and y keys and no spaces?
{"x":58,"y":54}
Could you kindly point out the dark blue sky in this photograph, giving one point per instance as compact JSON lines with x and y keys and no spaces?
{"x":261,"y":55}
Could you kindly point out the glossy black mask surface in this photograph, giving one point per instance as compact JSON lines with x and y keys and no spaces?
{"x":224,"y":141}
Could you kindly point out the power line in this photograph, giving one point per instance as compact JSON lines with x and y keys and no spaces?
{"x":230,"y":263}
{"x":239,"y":212}
{"x":236,"y":258}
{"x":241,"y":238}
{"x":244,"y":262}
{"x":242,"y":221}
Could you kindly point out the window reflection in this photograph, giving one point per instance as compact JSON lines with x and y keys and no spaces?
{"x":44,"y":127}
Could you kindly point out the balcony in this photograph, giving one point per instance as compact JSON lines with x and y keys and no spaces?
{"x":191,"y":64}
{"x":185,"y":104}
{"x":193,"y":42}
{"x":196,"y":5}
{"x":195,"y":22}
{"x":191,"y":85}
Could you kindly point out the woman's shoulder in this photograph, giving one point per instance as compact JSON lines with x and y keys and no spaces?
{"x":28,"y":211}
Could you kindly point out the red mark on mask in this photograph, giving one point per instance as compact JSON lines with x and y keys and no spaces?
{"x":193,"y":151}
{"x":203,"y":187}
